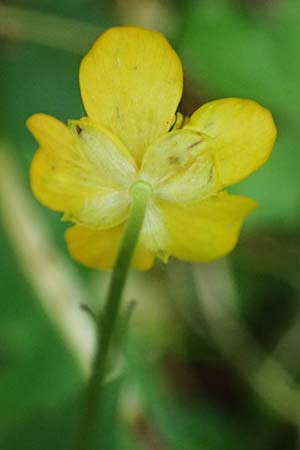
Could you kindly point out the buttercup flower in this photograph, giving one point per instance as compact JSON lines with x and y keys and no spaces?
{"x":131,"y":84}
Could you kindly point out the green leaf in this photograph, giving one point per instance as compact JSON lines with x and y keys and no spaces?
{"x":37,"y":372}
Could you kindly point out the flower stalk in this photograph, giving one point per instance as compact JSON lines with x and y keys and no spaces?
{"x":106,"y":322}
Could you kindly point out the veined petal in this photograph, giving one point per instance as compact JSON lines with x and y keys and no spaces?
{"x":154,"y":234}
{"x":98,"y":248}
{"x":104,"y":210}
{"x":105,"y":153}
{"x":180,"y":166}
{"x":131,"y":84}
{"x":81,"y":169}
{"x":244,"y":134}
{"x":206,"y":230}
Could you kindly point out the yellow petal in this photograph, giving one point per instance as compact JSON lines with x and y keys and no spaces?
{"x":98,"y":248}
{"x":107,"y":209}
{"x":206,"y":230}
{"x":180,"y":121}
{"x":81,"y":170}
{"x":244,"y":133}
{"x":131,"y":83}
{"x":154,"y":234}
{"x":180,"y":166}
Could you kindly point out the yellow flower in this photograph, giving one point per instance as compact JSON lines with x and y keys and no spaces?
{"x":131,"y":84}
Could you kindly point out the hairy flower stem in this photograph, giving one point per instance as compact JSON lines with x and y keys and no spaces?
{"x":106,"y":324}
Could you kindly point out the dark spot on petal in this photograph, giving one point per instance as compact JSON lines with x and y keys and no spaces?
{"x":194,"y":144}
{"x":174,"y":159}
{"x":78,"y":129}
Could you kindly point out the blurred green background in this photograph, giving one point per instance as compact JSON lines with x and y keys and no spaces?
{"x":212,"y":358}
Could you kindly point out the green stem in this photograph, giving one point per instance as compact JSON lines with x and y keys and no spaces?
{"x":105,"y":327}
